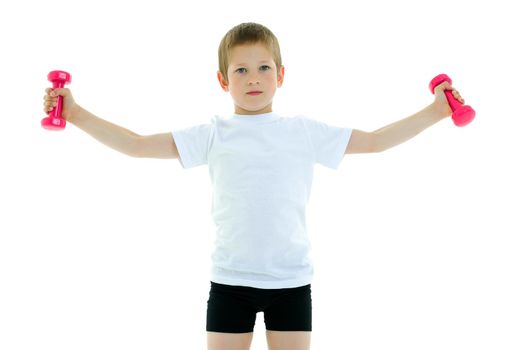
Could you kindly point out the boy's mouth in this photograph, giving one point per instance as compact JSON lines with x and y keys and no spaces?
{"x":254,"y":93}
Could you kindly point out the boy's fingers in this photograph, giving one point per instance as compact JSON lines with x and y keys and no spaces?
{"x":60,"y":91}
{"x":457,"y":95}
{"x":445,"y":86}
{"x":57,"y":92}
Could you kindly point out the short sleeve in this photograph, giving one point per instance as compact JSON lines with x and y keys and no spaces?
{"x":329,"y":142}
{"x":192,"y":144}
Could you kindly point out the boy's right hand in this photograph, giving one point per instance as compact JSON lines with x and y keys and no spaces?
{"x":69,"y":106}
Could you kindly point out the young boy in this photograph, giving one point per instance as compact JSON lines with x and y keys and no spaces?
{"x":261,"y":166}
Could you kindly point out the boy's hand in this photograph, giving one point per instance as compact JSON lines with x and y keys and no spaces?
{"x":69,"y":105}
{"x":441,"y":102}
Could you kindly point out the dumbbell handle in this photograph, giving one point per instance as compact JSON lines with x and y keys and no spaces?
{"x":57,"y":111}
{"x":452,"y":101}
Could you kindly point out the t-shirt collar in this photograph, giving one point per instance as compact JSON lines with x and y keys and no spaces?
{"x":254,"y":118}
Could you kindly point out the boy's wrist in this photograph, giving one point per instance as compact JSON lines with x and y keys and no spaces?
{"x":440,"y":110}
{"x":75,"y":112}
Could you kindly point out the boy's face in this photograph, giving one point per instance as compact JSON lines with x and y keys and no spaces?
{"x":252,"y":79}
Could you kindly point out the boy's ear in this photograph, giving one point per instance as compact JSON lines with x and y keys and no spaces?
{"x":280,"y":77}
{"x":222,"y":81}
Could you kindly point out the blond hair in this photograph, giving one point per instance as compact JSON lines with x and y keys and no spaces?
{"x":247,"y":33}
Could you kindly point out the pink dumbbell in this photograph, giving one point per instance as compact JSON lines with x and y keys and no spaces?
{"x":54,"y":120}
{"x":461,"y":114}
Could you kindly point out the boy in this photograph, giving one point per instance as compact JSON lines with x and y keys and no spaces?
{"x":261,"y":167}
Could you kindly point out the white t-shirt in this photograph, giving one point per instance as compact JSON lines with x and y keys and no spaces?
{"x":261,"y":170}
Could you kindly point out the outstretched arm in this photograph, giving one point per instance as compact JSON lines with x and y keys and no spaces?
{"x":405,"y":129}
{"x":125,"y":141}
{"x":112,"y":135}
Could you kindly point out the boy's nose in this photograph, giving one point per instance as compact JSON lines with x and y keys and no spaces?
{"x":253,"y":80}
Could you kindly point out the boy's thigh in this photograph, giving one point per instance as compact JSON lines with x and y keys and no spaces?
{"x":229,"y":341}
{"x":291,"y":311}
{"x":288,"y":340}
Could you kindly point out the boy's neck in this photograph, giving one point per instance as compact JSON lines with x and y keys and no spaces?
{"x":240,"y":111}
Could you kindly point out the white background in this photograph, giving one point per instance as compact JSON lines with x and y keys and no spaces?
{"x":419,"y":247}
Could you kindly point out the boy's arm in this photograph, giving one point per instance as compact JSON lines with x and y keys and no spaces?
{"x":113,"y":136}
{"x":157,"y":146}
{"x":405,"y":129}
{"x":123,"y":140}
{"x":402,"y":130}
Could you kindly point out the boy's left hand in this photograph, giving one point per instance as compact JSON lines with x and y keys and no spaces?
{"x":441,"y":102}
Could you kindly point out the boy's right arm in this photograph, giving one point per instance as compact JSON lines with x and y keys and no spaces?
{"x":123,"y":140}
{"x":112,"y":135}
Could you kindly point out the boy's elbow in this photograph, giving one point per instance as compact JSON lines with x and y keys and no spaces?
{"x":377,"y":143}
{"x":377,"y":147}
{"x":134,"y":148}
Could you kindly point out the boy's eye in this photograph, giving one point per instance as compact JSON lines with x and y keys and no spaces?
{"x":244,"y":70}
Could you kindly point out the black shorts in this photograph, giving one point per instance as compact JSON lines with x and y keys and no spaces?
{"x":233,"y":309}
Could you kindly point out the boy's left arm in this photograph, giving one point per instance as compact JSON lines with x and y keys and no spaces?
{"x":405,"y":129}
